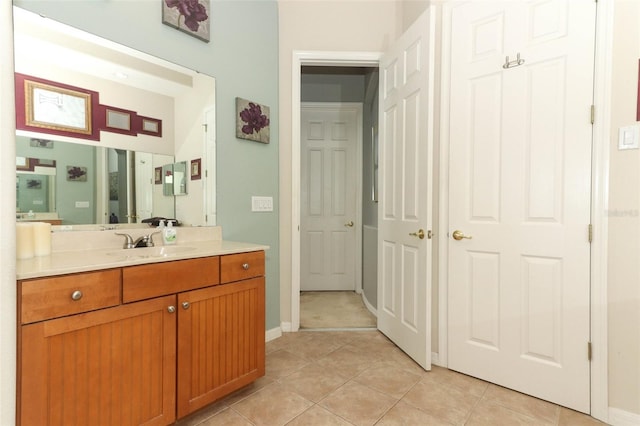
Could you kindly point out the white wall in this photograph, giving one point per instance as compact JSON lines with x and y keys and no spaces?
{"x":320,"y":26}
{"x":624,"y":217}
{"x":7,"y":212}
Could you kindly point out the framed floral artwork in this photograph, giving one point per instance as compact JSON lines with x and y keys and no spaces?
{"x":76,"y":174}
{"x":189,"y":16}
{"x":252,"y":121}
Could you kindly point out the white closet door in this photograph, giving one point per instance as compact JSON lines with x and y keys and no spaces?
{"x":520,"y":173}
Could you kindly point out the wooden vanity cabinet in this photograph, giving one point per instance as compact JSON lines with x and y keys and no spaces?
{"x":114,"y":365}
{"x":156,"y":357}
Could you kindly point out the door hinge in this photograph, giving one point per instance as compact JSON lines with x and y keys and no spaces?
{"x":590,"y":232}
{"x":589,"y":351}
{"x":206,"y":127}
{"x":593,"y":114}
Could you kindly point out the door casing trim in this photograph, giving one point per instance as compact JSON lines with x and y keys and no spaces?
{"x":318,"y":58}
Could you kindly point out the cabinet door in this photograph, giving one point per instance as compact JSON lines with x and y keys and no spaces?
{"x":114,"y":366}
{"x":220,"y":341}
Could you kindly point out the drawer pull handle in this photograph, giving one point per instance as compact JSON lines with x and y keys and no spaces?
{"x":185,"y":305}
{"x":245,"y":266}
{"x":171,"y":309}
{"x":76,"y":295}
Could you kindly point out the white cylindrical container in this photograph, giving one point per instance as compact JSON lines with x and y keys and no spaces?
{"x":24,"y":241}
{"x":42,"y":238}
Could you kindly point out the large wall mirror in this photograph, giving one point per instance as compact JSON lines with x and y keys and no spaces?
{"x":77,"y":180}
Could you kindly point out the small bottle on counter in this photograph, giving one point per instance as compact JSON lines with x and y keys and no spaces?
{"x":169,"y":234}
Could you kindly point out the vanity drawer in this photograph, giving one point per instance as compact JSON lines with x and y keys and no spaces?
{"x":236,"y":267}
{"x":52,"y":297}
{"x":158,"y":279}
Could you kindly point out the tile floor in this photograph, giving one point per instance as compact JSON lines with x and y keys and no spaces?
{"x":361,"y":378}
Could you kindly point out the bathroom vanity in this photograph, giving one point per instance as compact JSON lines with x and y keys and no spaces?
{"x":137,"y":336}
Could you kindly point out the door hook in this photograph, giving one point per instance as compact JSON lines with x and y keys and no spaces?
{"x":511,"y":64}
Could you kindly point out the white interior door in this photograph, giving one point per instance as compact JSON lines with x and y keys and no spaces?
{"x":144,"y":185}
{"x":520,"y":173}
{"x":404,"y":215}
{"x":329,"y":137}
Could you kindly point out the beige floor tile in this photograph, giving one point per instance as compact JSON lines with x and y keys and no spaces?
{"x":524,"y":404}
{"x":251,"y":388}
{"x":358,"y":404}
{"x":318,"y":416}
{"x":201,"y":415}
{"x":403,"y":414}
{"x":573,"y":418}
{"x":487,"y":413}
{"x":273,"y":405}
{"x":314,"y":348}
{"x":388,"y":378}
{"x":228,"y":417}
{"x":405,"y":362}
{"x":443,"y":402}
{"x":285,"y":340}
{"x":313,"y":382}
{"x":282,"y":363}
{"x":462,"y":382}
{"x":347,"y":362}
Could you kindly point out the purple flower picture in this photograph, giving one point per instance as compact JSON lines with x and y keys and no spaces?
{"x":190,"y":16}
{"x":252,"y":121}
{"x":77,"y":173}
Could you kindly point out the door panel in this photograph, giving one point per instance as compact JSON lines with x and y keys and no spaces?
{"x":520,"y":172}
{"x":406,"y":112}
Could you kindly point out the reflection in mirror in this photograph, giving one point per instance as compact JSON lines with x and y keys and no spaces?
{"x":174,"y":178}
{"x":114,"y":178}
{"x":180,"y":178}
{"x":167,"y":179}
{"x":88,"y":184}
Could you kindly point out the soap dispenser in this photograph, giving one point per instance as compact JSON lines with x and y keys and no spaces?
{"x":169,"y":233}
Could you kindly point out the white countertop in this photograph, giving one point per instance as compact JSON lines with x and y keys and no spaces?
{"x":98,"y":256}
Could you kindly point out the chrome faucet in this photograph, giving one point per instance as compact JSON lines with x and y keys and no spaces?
{"x":143,"y":241}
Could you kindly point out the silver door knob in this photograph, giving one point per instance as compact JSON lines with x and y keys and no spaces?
{"x":171,"y":309}
{"x":185,"y":305}
{"x":76,"y":295}
{"x":245,"y":266}
{"x":458,"y":235}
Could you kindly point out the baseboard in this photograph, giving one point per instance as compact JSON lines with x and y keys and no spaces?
{"x":435,"y":359}
{"x":286,"y":327}
{"x":369,"y":306}
{"x":272,"y":334}
{"x":618,"y":417}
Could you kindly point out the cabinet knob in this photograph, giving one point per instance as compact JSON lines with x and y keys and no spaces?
{"x":245,"y":266}
{"x":171,"y":309}
{"x":76,"y":295}
{"x":185,"y":305}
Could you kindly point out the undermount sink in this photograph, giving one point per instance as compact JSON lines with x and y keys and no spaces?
{"x":158,"y":251}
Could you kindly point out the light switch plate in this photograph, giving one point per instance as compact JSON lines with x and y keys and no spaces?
{"x":82,"y":204}
{"x":261,"y":204}
{"x":628,"y":137}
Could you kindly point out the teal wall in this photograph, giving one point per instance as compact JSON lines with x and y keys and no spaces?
{"x":243,"y":57}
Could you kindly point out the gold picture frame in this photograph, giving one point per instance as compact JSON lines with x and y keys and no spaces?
{"x":56,"y":108}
